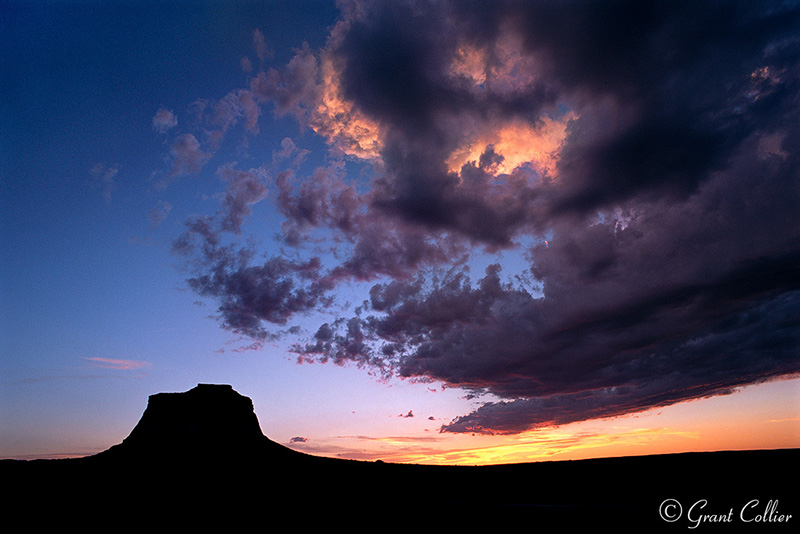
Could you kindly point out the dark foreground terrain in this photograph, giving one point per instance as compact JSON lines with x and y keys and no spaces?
{"x":199,"y":460}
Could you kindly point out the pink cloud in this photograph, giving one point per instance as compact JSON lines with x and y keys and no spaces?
{"x":164,"y":120}
{"x":260,"y":45}
{"x":127,"y":365}
{"x":105,"y":178}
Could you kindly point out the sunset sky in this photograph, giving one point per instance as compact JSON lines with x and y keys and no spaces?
{"x":436,"y":232}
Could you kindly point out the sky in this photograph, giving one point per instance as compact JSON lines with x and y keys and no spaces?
{"x":450,"y":232}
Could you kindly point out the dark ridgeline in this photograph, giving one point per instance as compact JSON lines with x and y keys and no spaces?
{"x":199,"y":458}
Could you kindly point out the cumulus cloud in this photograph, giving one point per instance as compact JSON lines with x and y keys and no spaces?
{"x":643,"y":169}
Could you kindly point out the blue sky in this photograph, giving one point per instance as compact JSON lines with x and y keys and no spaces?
{"x":443,"y":210}
{"x":86,"y":273}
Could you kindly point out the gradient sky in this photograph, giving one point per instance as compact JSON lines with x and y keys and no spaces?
{"x":437,"y":232}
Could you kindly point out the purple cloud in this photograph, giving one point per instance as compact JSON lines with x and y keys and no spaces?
{"x":293,"y":90}
{"x":187,"y":155}
{"x":249,"y":293}
{"x":244,"y":188}
{"x":272,"y":292}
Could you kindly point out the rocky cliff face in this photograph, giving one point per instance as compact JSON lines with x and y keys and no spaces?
{"x":209,"y":416}
{"x":208,"y":421}
{"x":193,"y":457}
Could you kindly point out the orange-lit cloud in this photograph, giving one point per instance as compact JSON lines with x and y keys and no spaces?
{"x":519,"y":143}
{"x":470,"y":63}
{"x":345,"y":127}
{"x":506,"y":68}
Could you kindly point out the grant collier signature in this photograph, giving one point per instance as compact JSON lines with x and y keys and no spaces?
{"x":671,"y":511}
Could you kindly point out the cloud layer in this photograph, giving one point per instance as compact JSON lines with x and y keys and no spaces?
{"x":639,"y":158}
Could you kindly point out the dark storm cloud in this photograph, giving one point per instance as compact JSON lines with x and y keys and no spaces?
{"x":380,"y":245}
{"x":686,"y":77}
{"x":469,"y":204}
{"x":665,"y":232}
{"x":395,"y":62}
{"x":671,"y":269}
{"x":675,"y":301}
{"x":760,"y":344}
{"x":666,"y":92}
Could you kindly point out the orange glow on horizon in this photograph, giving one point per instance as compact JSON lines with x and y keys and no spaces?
{"x":766,"y":416}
